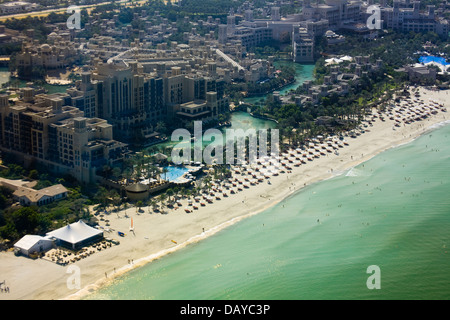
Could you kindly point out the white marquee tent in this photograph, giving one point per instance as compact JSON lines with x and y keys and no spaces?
{"x":29,"y":244}
{"x":76,"y":235}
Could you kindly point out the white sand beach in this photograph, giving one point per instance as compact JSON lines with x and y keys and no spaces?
{"x":153,"y":233}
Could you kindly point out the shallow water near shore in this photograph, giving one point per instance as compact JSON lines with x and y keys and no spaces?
{"x":392,"y":211}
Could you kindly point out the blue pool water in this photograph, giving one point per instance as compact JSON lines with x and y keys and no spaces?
{"x":174,"y":173}
{"x":427,"y":59}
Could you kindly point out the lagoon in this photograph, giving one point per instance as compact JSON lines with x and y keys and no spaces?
{"x":303,"y":72}
{"x":243,"y":120}
{"x":5,"y":77}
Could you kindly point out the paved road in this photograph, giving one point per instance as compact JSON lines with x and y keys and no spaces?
{"x":44,"y":13}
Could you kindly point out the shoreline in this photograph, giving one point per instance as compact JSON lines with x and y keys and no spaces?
{"x":154,"y":232}
{"x":204,"y":235}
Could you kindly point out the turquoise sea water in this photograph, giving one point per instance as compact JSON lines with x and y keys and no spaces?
{"x":392,"y":211}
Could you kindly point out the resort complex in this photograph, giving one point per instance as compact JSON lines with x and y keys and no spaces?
{"x":155,"y":125}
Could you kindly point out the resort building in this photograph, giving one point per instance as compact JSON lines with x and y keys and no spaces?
{"x":421,"y":74}
{"x":336,"y":12}
{"x":83,"y":96}
{"x":137,"y":89}
{"x":333,"y":38}
{"x":13,"y":185}
{"x":58,"y":55}
{"x":58,"y":137}
{"x":405,"y":15}
{"x":24,"y":193}
{"x":9,"y":36}
{"x":195,"y":97}
{"x":303,"y":45}
{"x":29,"y":196}
{"x":17,"y":7}
{"x":132,"y":102}
{"x":252,"y":32}
{"x":299,"y":29}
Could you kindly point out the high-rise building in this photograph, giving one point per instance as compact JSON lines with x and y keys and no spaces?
{"x":58,"y":137}
{"x":84,"y":96}
{"x":303,"y":45}
{"x":131,"y":101}
{"x":195,"y":97}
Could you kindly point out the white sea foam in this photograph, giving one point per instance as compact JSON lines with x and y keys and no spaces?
{"x":438,"y":125}
{"x":354,"y":172}
{"x":145,"y":260}
{"x":351,"y":173}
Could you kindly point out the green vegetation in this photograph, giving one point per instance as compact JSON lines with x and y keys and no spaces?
{"x":396,"y":49}
{"x":296,"y":123}
{"x":286,"y":76}
{"x":16,"y":221}
{"x":208,"y":6}
{"x":346,"y":111}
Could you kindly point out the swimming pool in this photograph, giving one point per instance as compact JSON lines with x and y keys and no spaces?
{"x":427,"y":59}
{"x":174,"y":173}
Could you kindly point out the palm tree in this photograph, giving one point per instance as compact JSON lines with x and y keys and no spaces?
{"x":169,"y":194}
{"x":182,"y":192}
{"x":188,"y":193}
{"x":164,"y":171}
{"x":161,"y":127}
{"x":127,"y":174}
{"x":102,"y":196}
{"x":139,"y":204}
{"x":207,"y":183}
{"x":197,"y":191}
{"x":176,"y":190}
{"x":162,"y":198}
{"x":116,"y":200}
{"x":152,"y":203}
{"x":77,"y":206}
